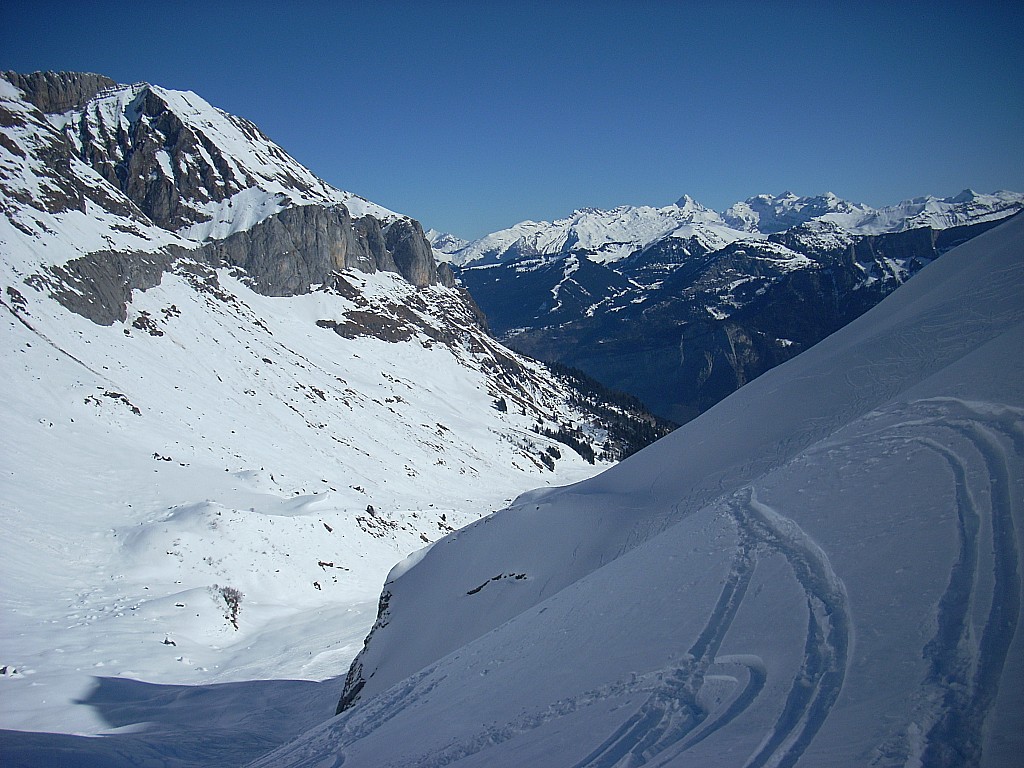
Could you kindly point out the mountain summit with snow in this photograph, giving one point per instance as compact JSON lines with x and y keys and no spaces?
{"x":769,"y":214}
{"x":607,"y":236}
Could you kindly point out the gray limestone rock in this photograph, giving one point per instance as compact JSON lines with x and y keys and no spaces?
{"x":58,"y":92}
{"x":413,"y":256}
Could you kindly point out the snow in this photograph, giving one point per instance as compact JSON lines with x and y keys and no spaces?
{"x":604,"y":235}
{"x":250,"y":467}
{"x":850,"y":520}
{"x":824,"y":569}
{"x":607,"y":236}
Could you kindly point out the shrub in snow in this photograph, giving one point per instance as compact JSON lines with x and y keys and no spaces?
{"x":232,"y":601}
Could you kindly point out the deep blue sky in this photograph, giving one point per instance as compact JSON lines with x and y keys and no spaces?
{"x":471,"y":116}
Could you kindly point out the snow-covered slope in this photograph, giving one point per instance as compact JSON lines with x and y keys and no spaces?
{"x":824,"y":569}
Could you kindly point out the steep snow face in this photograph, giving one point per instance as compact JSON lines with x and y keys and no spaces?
{"x":195,"y":169}
{"x":603,"y":236}
{"x":824,"y":569}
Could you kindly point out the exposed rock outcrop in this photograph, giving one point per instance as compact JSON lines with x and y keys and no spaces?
{"x":300,"y":247}
{"x":411,"y":252}
{"x":58,"y":92}
{"x":284,"y":255}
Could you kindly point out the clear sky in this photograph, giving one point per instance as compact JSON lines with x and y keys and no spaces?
{"x":472,"y":116}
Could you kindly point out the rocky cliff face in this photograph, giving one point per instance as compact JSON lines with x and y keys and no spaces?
{"x":58,"y":92}
{"x":291,"y":251}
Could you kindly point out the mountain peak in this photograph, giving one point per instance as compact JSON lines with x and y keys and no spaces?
{"x":966,"y":196}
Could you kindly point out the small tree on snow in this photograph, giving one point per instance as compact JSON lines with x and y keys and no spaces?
{"x":232,"y":601}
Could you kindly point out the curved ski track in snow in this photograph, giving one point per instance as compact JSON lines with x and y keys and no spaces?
{"x":965,"y":673}
{"x":658,"y":732}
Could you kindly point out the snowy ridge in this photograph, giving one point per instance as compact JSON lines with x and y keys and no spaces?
{"x":444,"y":244}
{"x":822,"y":569}
{"x":769,"y":214}
{"x":968,"y":207}
{"x":604,"y":236}
{"x":57,"y":207}
{"x":608,"y":236}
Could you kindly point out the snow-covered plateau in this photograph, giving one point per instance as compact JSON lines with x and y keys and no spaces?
{"x":822,"y":570}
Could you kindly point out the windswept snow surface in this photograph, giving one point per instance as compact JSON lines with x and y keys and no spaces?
{"x":822,"y":570}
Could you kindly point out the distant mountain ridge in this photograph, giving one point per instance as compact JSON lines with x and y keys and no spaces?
{"x":680,"y":305}
{"x":611,"y":235}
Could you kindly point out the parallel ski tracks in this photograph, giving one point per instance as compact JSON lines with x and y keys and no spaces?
{"x":967,"y":674}
{"x":672,"y":721}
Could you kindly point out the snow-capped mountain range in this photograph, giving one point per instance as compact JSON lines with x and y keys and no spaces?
{"x":611,"y":235}
{"x":822,"y":570}
{"x":233,"y":397}
{"x":680,"y":305}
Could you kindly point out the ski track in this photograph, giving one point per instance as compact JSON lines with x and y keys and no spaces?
{"x":672,"y":712}
{"x":956,"y":738}
{"x":829,"y":634}
{"x":659,"y":729}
